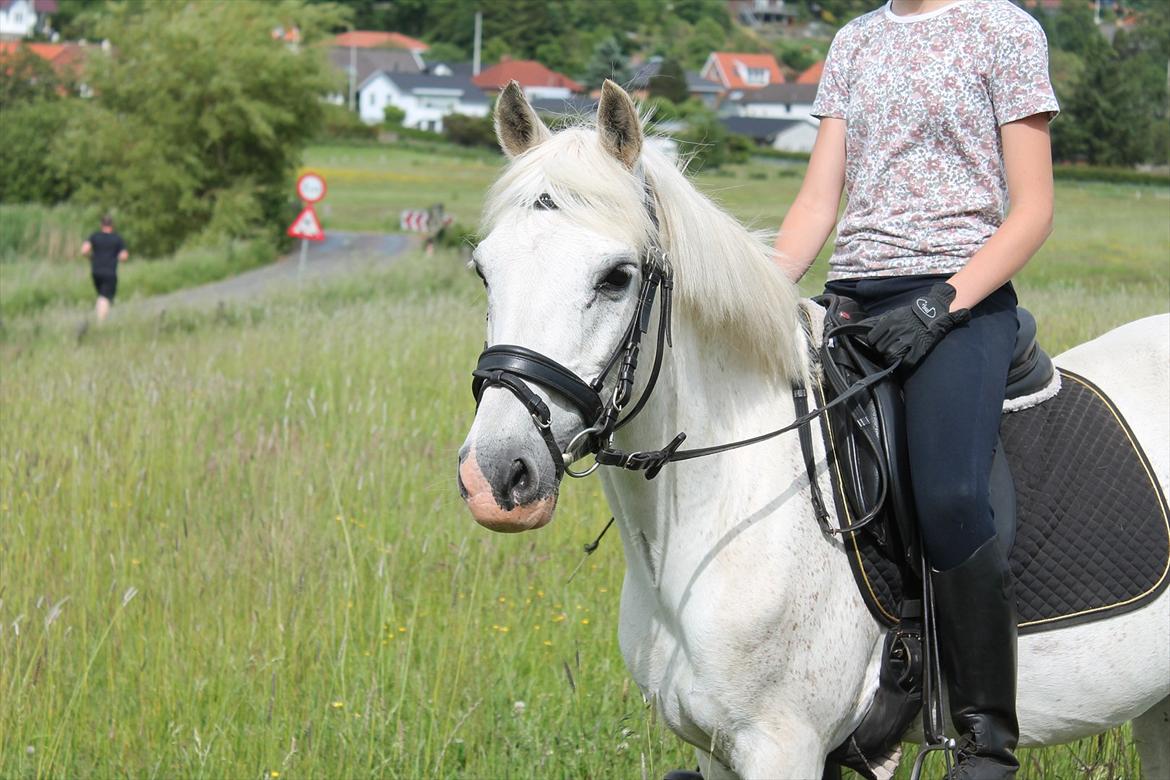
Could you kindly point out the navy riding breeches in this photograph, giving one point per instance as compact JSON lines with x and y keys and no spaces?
{"x":954,"y":399}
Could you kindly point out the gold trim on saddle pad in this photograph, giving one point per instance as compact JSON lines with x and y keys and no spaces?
{"x":886,"y":612}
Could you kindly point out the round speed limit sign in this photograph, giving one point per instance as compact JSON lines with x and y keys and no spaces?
{"x":310,"y":187}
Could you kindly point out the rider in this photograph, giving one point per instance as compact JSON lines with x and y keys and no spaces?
{"x":933,"y":113}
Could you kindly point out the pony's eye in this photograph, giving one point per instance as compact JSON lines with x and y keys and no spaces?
{"x":617,"y":279}
{"x":479,"y":273}
{"x":544,"y":203}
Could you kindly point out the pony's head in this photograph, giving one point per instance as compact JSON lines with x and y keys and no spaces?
{"x":568,"y":225}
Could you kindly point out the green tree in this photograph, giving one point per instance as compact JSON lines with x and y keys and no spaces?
{"x":445,"y":52}
{"x":707,"y":37}
{"x":670,"y":82}
{"x":199,"y":117}
{"x":705,"y":141}
{"x":26,"y":77}
{"x":30,"y":170}
{"x":607,"y":62}
{"x":798,"y":55}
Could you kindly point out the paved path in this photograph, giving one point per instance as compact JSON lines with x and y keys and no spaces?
{"x":340,"y":253}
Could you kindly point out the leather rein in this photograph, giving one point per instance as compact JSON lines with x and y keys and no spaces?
{"x":512,"y":367}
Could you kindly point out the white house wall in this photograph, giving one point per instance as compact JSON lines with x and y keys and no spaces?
{"x":778,"y":110}
{"x":799,"y":138}
{"x":375,"y":95}
{"x":548,"y":93}
{"x":18,"y":20}
{"x":424,"y":112}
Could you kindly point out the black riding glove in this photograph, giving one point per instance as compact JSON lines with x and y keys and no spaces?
{"x":910,"y":332}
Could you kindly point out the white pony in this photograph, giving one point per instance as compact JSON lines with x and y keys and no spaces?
{"x":740,"y":619}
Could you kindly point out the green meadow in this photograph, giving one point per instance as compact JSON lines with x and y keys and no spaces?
{"x":231,"y":544}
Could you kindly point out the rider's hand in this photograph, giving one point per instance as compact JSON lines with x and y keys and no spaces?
{"x":910,"y":332}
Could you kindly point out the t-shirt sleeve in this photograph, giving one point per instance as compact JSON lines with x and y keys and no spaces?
{"x":121,"y":246}
{"x":832,"y":98}
{"x":1019,"y":82}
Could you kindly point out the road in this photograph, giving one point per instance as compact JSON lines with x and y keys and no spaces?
{"x":339,"y":254}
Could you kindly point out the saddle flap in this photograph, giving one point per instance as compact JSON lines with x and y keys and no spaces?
{"x":867,"y":439}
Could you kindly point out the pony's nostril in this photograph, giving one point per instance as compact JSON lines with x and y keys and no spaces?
{"x":521,"y":481}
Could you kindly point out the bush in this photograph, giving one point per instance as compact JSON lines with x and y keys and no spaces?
{"x":470,"y":131}
{"x":1109,"y":175}
{"x":393,"y":116}
{"x":705,"y":141}
{"x":30,"y":169}
{"x":457,"y":236}
{"x":45,"y":234}
{"x":341,"y":124}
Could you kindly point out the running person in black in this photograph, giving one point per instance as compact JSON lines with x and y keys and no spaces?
{"x":105,"y":249}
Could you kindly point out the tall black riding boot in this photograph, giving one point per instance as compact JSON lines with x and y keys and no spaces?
{"x":975,"y":610}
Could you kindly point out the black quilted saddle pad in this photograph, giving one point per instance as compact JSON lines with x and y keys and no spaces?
{"x":1093,"y":534}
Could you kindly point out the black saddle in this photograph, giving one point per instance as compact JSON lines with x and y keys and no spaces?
{"x":869,"y":440}
{"x":865,"y":438}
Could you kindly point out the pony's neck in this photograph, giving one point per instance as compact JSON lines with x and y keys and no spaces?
{"x":715,"y":394}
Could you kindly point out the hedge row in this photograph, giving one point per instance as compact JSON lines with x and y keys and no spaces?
{"x":1060,"y":171}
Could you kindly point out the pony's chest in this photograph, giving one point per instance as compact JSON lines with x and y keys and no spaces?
{"x":663,"y":670}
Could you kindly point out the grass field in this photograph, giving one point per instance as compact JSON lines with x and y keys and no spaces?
{"x":231,"y":544}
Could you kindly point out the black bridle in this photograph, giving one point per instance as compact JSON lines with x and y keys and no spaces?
{"x":512,"y":367}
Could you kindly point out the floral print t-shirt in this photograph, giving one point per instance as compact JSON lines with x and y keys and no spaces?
{"x":923,"y":98}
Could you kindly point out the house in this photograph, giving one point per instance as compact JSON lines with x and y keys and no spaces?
{"x":788,"y":135}
{"x":534,"y":78}
{"x":760,"y":13}
{"x":704,"y":89}
{"x":737,"y":71}
{"x":425,"y":98}
{"x":370,"y":39}
{"x":358,"y":65}
{"x":812,"y":74}
{"x":778,"y":101}
{"x":697,"y":86}
{"x":21,"y":18}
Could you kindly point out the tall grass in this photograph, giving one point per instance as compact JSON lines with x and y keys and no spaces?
{"x":27,"y":286}
{"x":231,"y":545}
{"x":48,"y":234}
{"x":277,"y":484}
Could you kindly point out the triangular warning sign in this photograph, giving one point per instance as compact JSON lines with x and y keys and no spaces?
{"x":306,"y":225}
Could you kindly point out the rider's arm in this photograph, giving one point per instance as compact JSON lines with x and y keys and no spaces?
{"x":86,"y":248}
{"x":813,"y":214}
{"x":1027,"y":157}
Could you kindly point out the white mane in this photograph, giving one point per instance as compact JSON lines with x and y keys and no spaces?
{"x":724,"y":274}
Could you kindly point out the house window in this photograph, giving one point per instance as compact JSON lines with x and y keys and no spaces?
{"x":756,"y":76}
{"x":17,"y":17}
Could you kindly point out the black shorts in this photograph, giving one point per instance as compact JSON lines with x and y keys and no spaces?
{"x":106,"y":285}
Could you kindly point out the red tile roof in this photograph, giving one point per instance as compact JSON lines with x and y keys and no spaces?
{"x":371,"y":39}
{"x":729,"y":68}
{"x":529,"y":73}
{"x":40,"y":6}
{"x":812,"y":75}
{"x":61,"y":56}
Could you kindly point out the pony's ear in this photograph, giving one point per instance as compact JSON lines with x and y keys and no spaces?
{"x":618,"y":124}
{"x":517,"y":125}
